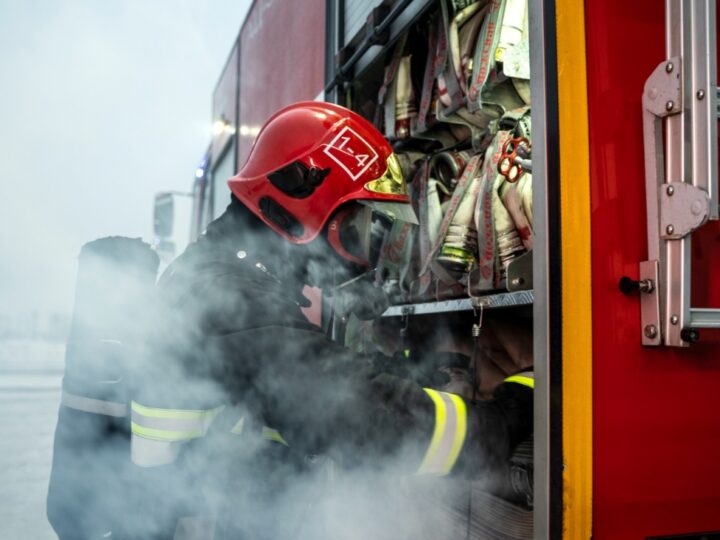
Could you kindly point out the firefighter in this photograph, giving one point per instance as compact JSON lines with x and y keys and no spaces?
{"x":241,"y":391}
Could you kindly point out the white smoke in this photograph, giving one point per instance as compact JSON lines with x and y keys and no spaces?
{"x":100,"y":111}
{"x":102,"y":104}
{"x":343,"y":485}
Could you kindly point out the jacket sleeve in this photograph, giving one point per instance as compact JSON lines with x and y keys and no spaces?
{"x":323,"y":398}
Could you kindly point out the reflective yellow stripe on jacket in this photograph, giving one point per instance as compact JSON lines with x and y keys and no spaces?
{"x":449,"y":433}
{"x":451,"y":427}
{"x":157,"y":434}
{"x":270,"y":434}
{"x":526,"y":378}
{"x":267,"y":433}
{"x":170,"y":424}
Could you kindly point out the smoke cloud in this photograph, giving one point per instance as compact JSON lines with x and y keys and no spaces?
{"x":97,"y":99}
{"x":103,"y":104}
{"x":226,"y":335}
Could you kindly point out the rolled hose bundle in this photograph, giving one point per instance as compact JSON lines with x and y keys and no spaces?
{"x":113,"y":301}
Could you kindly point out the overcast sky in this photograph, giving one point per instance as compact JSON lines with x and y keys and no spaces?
{"x":102,"y":103}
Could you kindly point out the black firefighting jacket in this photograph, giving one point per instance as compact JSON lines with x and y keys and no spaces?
{"x":233,"y":361}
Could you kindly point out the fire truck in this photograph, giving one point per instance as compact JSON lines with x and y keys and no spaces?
{"x":620,"y":158}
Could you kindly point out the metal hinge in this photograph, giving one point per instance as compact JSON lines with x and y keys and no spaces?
{"x":683,"y":208}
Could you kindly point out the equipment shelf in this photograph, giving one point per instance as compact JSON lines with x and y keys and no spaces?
{"x":490,"y":301}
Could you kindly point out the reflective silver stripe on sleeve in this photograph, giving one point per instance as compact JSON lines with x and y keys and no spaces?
{"x":448,"y":435}
{"x":95,"y":406}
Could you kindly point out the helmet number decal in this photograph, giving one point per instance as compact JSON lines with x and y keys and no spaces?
{"x":353,"y":153}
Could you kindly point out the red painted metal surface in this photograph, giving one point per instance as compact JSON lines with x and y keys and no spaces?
{"x":656,"y":412}
{"x":282,"y":60}
{"x":225,"y":102}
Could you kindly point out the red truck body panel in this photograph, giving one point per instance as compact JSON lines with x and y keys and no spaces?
{"x":282,"y":61}
{"x":656,"y":411}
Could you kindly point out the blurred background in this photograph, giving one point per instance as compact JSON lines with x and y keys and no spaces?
{"x":102,"y":104}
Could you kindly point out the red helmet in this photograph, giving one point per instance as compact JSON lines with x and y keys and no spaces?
{"x":311,"y":157}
